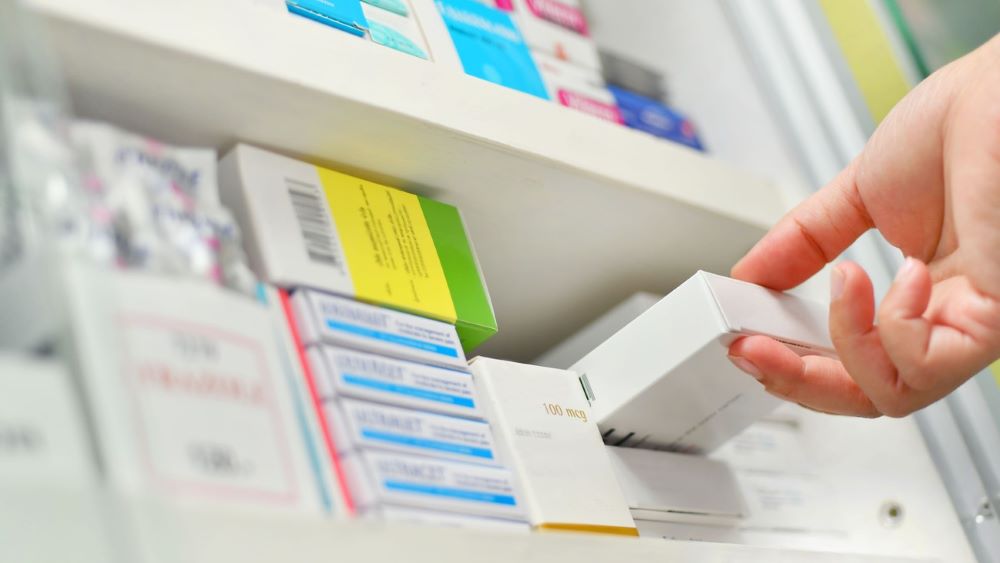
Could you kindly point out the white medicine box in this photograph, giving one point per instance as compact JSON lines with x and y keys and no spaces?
{"x":665,"y":381}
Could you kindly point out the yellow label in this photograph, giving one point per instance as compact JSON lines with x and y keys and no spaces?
{"x":390,"y":251}
{"x":995,"y":368}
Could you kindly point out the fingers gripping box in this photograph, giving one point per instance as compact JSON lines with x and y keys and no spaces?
{"x":665,"y":381}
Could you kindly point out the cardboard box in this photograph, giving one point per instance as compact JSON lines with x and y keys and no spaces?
{"x":576,"y":87}
{"x":309,"y":226}
{"x":380,"y":479}
{"x":699,"y":490}
{"x":342,"y":372}
{"x":162,"y":361}
{"x":395,"y":31}
{"x":557,"y":28}
{"x":665,"y":381}
{"x":323,"y":318}
{"x":435,"y":34}
{"x":490,"y":46}
{"x":651,"y":116}
{"x":360,"y":425}
{"x":546,"y":435}
{"x":345,"y":15}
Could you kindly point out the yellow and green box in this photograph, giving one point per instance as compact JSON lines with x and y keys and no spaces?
{"x":307,"y":226}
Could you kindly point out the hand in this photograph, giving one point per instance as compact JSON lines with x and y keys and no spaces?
{"x":929,"y":180}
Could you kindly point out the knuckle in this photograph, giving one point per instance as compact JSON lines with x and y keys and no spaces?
{"x":917,"y":377}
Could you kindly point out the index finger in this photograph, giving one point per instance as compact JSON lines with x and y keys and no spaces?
{"x":808,"y":237}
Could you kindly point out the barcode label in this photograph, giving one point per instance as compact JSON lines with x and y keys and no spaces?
{"x":314,"y":222}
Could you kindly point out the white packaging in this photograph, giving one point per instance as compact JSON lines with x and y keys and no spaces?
{"x":326,"y":318}
{"x":379,"y":479}
{"x":342,"y":372}
{"x":43,"y":437}
{"x":435,"y":34}
{"x":698,"y":490}
{"x":395,"y":31}
{"x":665,"y":381}
{"x":569,"y":351}
{"x":546,"y":435}
{"x":405,"y":515}
{"x":569,"y":42}
{"x":189,"y":399}
{"x":577,"y":87}
{"x":360,"y":425}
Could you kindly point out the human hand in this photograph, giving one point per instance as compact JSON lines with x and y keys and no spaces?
{"x":929,"y":181}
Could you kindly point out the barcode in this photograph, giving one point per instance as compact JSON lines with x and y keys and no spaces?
{"x":314,"y":222}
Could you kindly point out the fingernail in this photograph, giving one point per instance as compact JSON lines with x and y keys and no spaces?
{"x":906,"y":268}
{"x":836,"y":283}
{"x":747,"y":366}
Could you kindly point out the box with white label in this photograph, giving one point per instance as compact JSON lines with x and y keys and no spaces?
{"x":577,"y":87}
{"x":308,"y":226}
{"x":360,"y":425}
{"x":190,"y":401}
{"x":665,"y":380}
{"x":342,"y":372}
{"x":546,"y":435}
{"x":700,"y":490}
{"x":555,"y":27}
{"x":325,"y":318}
{"x":380,"y":479}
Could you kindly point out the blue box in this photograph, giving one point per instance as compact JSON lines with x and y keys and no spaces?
{"x":651,"y":116}
{"x":345,"y":15}
{"x":490,"y":46}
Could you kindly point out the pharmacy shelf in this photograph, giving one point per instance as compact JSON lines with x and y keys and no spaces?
{"x":92,"y":528}
{"x":569,"y":214}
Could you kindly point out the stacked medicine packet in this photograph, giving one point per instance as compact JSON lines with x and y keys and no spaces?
{"x":391,"y":388}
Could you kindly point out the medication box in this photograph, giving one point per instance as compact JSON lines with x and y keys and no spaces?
{"x":341,"y":372}
{"x":380,"y":479}
{"x":555,"y":27}
{"x":324,"y":318}
{"x":645,"y":114}
{"x":490,"y":46}
{"x":345,"y":15}
{"x":361,"y":426}
{"x":699,"y":491}
{"x":577,"y":87}
{"x":546,"y":435}
{"x":399,"y":32}
{"x":665,"y":381}
{"x":313,"y":227}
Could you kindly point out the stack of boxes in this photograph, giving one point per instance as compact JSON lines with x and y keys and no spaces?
{"x":390,"y":384}
{"x":558,"y":35}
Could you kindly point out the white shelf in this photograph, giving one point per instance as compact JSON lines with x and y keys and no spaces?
{"x":569,"y":214}
{"x":100,"y":528}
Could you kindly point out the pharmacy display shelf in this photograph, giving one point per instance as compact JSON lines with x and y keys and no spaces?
{"x":569,"y":214}
{"x":116,"y":530}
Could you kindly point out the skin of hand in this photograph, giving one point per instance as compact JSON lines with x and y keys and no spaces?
{"x":929,"y":181}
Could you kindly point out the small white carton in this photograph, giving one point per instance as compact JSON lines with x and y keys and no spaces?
{"x":555,"y":27}
{"x":579,"y":88}
{"x":342,"y":372}
{"x":665,"y":381}
{"x":379,"y":479}
{"x":546,"y":435}
{"x":360,"y":425}
{"x":326,"y":318}
{"x":699,"y":490}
